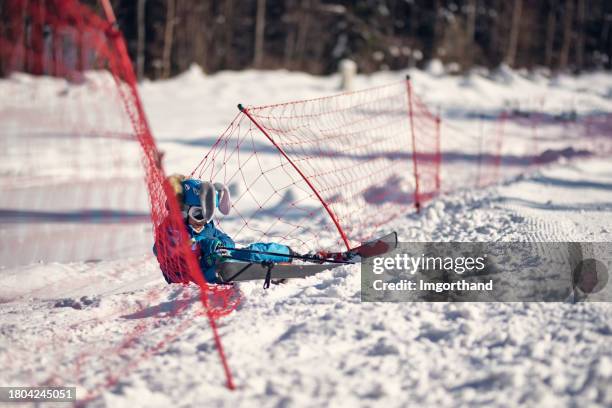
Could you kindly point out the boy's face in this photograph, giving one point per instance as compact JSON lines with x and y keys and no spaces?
{"x":196,"y":218}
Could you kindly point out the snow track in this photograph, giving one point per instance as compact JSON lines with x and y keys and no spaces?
{"x":312,"y":341}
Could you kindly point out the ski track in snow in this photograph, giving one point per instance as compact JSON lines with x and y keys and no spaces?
{"x":312,"y":342}
{"x":113,"y":328}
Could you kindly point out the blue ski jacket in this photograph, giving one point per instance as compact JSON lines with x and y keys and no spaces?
{"x":205,"y":243}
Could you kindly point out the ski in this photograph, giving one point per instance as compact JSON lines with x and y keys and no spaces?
{"x":369,"y":249}
{"x":232,"y":270}
{"x":239,"y":271}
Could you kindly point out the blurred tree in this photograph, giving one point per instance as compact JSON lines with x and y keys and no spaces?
{"x":517,"y":11}
{"x":166,"y":36}
{"x":568,"y":17}
{"x":140,"y":48}
{"x":260,"y":24}
{"x":551,"y":27}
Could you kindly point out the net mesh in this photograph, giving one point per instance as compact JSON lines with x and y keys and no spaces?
{"x":299,"y":170}
{"x":332,"y":172}
{"x":80,"y":174}
{"x":425,"y":134}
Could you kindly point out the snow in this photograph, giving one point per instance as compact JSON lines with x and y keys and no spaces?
{"x":312,"y":342}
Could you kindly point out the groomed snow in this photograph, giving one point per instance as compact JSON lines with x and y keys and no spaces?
{"x":312,"y":342}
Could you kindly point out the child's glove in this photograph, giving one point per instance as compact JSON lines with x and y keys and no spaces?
{"x":209,"y":247}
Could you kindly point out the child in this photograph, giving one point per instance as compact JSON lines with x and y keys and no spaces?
{"x":199,"y":200}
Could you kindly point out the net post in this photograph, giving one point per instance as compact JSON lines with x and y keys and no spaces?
{"x":246,"y":112}
{"x":148,"y":145}
{"x":417,"y":201}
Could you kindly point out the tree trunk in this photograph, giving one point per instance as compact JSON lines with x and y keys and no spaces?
{"x":260,"y":24}
{"x":168,"y":38}
{"x":229,"y":34}
{"x":291,"y":10}
{"x":514,"y":32}
{"x":471,"y":19}
{"x":438,"y":26}
{"x":470,"y":31}
{"x":567,"y":34}
{"x":580,"y":35}
{"x":140,"y":46}
{"x":37,"y":42}
{"x":551,"y":26}
{"x":302,"y":35}
{"x":495,"y":50}
{"x":604,"y":37}
{"x":201,"y":41}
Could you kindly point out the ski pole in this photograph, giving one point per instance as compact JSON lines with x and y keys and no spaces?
{"x":294,"y":256}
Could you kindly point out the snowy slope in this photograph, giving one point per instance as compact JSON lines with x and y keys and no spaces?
{"x":312,"y":342}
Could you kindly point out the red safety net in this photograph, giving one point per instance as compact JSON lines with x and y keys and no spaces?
{"x":472,"y":151}
{"x":81,"y":176}
{"x":301,"y":169}
{"x":353,"y":162}
{"x":484,"y":149}
{"x":490,"y":144}
{"x":426,"y":153}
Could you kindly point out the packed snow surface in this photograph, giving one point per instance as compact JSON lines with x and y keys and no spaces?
{"x":113,"y":328}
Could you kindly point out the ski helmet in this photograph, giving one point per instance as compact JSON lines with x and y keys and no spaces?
{"x":209,"y":196}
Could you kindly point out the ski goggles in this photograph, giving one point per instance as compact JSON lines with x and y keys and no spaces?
{"x":196,"y":214}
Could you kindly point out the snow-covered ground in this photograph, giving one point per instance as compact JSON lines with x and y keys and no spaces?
{"x":312,"y":342}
